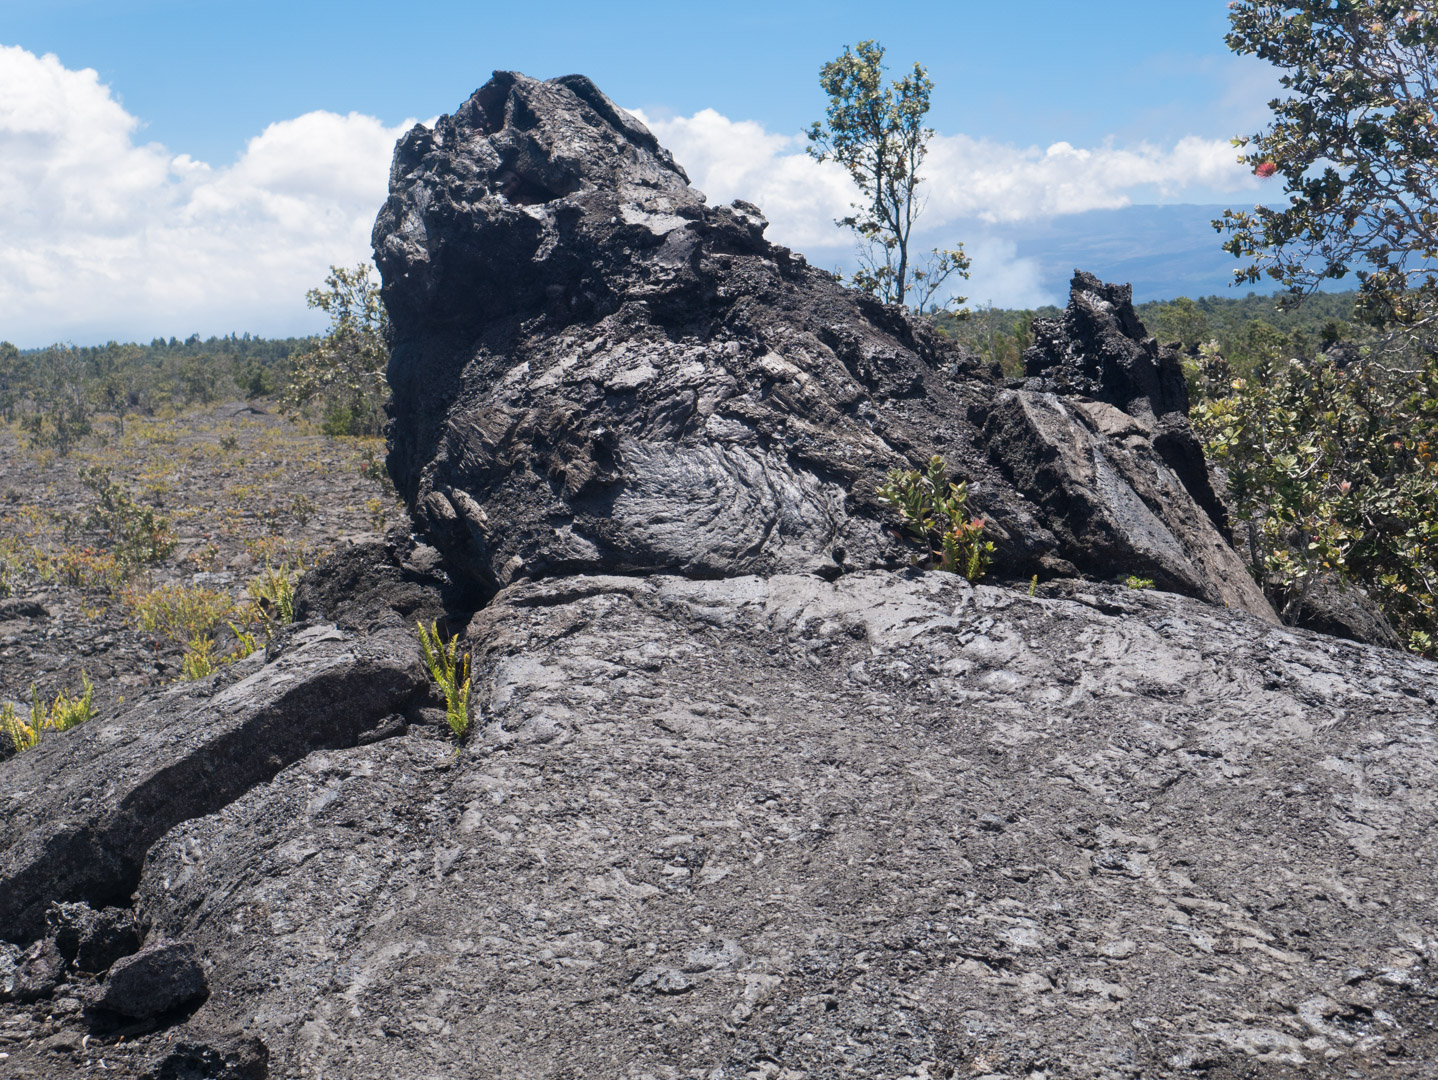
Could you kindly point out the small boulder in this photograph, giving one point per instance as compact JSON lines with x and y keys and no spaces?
{"x":163,"y":976}
{"x":40,"y":970}
{"x":92,"y":940}
{"x":228,"y":1056}
{"x":1342,"y":609}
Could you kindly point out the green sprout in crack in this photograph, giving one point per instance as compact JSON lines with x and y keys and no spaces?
{"x":933,"y":509}
{"x":450,"y":672}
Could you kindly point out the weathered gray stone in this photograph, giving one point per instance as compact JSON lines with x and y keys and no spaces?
{"x":82,"y":810}
{"x":162,"y":977}
{"x":1103,"y":829}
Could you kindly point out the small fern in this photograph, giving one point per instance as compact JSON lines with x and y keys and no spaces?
{"x":245,"y":644}
{"x":273,"y":595}
{"x":199,"y":659}
{"x":450,"y":672}
{"x":63,"y":714}
{"x":68,"y":712}
{"x":23,"y":736}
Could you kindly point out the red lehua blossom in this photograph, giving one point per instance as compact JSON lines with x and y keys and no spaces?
{"x":1266,"y":169}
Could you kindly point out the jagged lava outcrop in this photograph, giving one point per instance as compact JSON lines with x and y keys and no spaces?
{"x":593,"y":370}
{"x":746,"y":796}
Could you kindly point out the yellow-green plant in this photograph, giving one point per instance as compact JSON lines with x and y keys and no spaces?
{"x":246,"y":643}
{"x":85,"y":568}
{"x":273,"y":595}
{"x":199,"y":659}
{"x":934,"y":510}
{"x":22,"y":735}
{"x":1133,"y":581}
{"x":450,"y":672}
{"x":137,"y":533}
{"x":67,"y":712}
{"x":63,"y":714}
{"x":182,"y":613}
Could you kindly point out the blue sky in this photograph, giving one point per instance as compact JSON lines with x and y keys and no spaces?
{"x":221,"y":117}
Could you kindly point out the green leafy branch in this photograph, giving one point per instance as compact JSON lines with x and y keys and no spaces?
{"x":934,"y":510}
{"x":450,"y":671}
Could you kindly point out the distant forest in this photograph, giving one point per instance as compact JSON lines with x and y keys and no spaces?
{"x":56,"y":390}
{"x":133,"y":377}
{"x":1246,"y":328}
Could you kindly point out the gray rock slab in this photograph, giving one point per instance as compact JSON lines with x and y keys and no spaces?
{"x":82,"y":809}
{"x":892,"y":825}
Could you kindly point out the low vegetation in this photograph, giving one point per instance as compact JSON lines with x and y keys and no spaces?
{"x":1333,"y":468}
{"x":63,"y":393}
{"x":450,"y":672}
{"x":272,"y":596}
{"x":62,"y":714}
{"x":169,"y":547}
{"x":933,"y":509}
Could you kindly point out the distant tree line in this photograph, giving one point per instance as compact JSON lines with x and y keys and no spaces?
{"x":56,"y":393}
{"x":1246,"y":330}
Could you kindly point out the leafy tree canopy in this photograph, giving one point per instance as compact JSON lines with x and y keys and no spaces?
{"x":877,"y":133}
{"x":1355,"y":142}
{"x":344,"y":372}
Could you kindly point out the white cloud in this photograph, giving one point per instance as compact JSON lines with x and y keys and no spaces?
{"x":970,"y":182}
{"x":101,"y":236}
{"x":965,"y":177}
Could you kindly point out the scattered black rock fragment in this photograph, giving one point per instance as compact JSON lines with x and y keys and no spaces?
{"x":213,"y":1057}
{"x":93,"y":940}
{"x":40,"y":970}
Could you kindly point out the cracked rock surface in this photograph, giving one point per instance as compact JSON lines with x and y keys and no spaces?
{"x":882,"y":825}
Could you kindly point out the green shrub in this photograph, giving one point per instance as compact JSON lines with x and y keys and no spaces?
{"x":1333,"y":467}
{"x":138,"y":533}
{"x":450,"y":672}
{"x":933,"y":509}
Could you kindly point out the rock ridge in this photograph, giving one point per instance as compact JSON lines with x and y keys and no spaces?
{"x":596,"y":372}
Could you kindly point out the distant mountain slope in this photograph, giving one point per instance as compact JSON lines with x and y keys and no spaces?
{"x":1164,"y":251}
